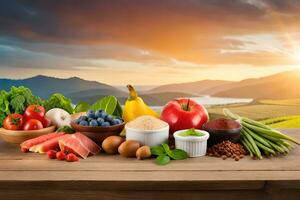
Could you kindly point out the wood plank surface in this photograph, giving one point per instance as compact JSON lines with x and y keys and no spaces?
{"x":115,"y":177}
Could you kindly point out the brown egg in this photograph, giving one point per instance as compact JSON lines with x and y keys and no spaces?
{"x":111,"y":144}
{"x":129,"y":148}
{"x":143,"y":153}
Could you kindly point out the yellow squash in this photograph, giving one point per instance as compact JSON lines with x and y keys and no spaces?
{"x":135,"y":106}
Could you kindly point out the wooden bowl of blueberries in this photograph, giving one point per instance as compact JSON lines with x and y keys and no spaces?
{"x":97,"y":125}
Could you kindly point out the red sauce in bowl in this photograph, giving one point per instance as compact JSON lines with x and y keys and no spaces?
{"x":222,"y":124}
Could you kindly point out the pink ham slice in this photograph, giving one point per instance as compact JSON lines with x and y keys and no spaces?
{"x":32,"y":142}
{"x":79,"y":144}
{"x":51,"y":144}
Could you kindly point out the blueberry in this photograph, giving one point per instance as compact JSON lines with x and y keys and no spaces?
{"x":90,"y":114}
{"x":93,"y":123}
{"x":115,"y":122}
{"x":98,"y":113}
{"x":83,"y":123}
{"x":83,"y":118}
{"x":77,"y":121}
{"x":105,"y":124}
{"x":103,"y":114}
{"x":90,"y":119}
{"x":109,"y":118}
{"x":100,"y":120}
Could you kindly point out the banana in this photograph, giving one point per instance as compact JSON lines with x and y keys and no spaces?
{"x":135,"y":106}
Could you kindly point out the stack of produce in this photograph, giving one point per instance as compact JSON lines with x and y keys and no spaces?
{"x":260,"y":139}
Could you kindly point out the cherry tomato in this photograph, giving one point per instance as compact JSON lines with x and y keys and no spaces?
{"x":32,"y":124}
{"x":60,"y":155}
{"x":34,"y":112}
{"x":51,"y":154}
{"x":71,"y":157}
{"x":13,"y":122}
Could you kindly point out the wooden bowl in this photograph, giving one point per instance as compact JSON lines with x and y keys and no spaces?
{"x":17,"y":137}
{"x":97,"y":133}
{"x":219,"y":135}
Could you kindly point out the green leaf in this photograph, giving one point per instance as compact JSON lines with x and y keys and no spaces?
{"x":118,"y":111}
{"x":81,"y":107}
{"x":178,"y":154}
{"x":58,"y":100}
{"x":157,"y":150}
{"x":65,"y":129}
{"x":162,"y":160}
{"x":108,"y":104}
{"x":18,"y":104}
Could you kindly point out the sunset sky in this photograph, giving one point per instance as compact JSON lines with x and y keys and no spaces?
{"x":149,"y":42}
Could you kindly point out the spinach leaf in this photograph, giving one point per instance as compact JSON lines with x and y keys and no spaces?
{"x":162,"y":160}
{"x":81,"y":107}
{"x":108,"y":104}
{"x":65,"y":129}
{"x":118,"y":111}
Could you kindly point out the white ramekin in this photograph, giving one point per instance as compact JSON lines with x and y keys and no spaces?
{"x":148,"y":137}
{"x":195,"y":146}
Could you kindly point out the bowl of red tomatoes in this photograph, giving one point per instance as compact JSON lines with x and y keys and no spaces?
{"x":20,"y":127}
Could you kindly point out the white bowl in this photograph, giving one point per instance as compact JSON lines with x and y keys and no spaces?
{"x":195,"y":146}
{"x":148,"y":137}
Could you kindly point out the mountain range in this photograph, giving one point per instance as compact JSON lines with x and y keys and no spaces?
{"x":279,"y":86}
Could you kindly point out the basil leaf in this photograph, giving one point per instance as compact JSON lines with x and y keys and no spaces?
{"x":157,"y":150}
{"x":178,"y":154}
{"x":82,"y":107}
{"x":108,"y":104}
{"x":162,"y":160}
{"x":65,"y":129}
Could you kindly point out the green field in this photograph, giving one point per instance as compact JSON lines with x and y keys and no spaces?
{"x":276,"y":113}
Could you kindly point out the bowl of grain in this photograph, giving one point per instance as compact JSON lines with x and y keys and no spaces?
{"x":148,"y":130}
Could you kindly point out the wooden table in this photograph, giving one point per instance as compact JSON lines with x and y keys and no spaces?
{"x":24,"y":176}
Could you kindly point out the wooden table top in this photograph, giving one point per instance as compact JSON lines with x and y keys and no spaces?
{"x":17,"y":166}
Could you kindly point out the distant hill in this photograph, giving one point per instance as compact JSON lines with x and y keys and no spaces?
{"x":82,"y":90}
{"x":204,"y":87}
{"x":44,"y":86}
{"x":284,"y":85}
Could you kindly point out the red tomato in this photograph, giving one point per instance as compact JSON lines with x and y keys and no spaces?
{"x":46,"y":122}
{"x":184,"y":114}
{"x":71,"y":157}
{"x":32,"y":124}
{"x":51,"y":154}
{"x":60,"y":155}
{"x":34,"y":112}
{"x":13,"y":122}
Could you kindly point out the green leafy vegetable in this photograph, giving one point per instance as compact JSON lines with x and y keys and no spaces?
{"x":163,"y":160}
{"x":16,"y":101}
{"x":81,"y":107}
{"x":118,"y":111}
{"x":59,"y":101}
{"x":109,"y":104}
{"x":65,"y":129}
{"x":157,"y":150}
{"x":165,"y":154}
{"x":178,"y":154}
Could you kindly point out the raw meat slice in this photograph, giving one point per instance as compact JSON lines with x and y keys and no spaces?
{"x":73,"y":145}
{"x":87,"y":142}
{"x":29,"y":143}
{"x":51,"y":144}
